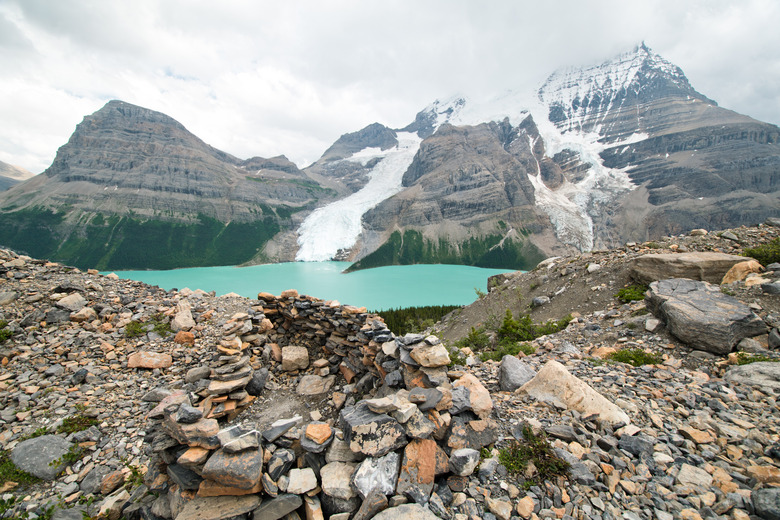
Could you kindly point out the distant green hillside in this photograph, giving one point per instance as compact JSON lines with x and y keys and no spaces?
{"x":114,"y":242}
{"x":488,"y":251}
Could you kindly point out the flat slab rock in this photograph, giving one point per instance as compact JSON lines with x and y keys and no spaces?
{"x":218,"y":508}
{"x":703,"y":266}
{"x":36,"y":456}
{"x":764,"y":374}
{"x":407,"y":512}
{"x":555,"y":384}
{"x":700,"y":315}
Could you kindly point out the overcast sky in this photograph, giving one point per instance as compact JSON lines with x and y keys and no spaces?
{"x":289,"y":77}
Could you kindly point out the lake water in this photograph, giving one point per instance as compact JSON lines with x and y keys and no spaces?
{"x":376,"y":289}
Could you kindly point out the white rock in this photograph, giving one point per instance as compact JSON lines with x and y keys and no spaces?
{"x":555,"y":384}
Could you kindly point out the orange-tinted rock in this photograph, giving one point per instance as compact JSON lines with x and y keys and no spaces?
{"x":184,"y":337}
{"x":289,"y":293}
{"x":144,"y":359}
{"x":739,"y":272}
{"x":318,"y":432}
{"x":111,"y":482}
{"x":765,"y":474}
{"x":209,"y":488}
{"x":418,"y":470}
{"x":194,"y":456}
{"x":202,"y":433}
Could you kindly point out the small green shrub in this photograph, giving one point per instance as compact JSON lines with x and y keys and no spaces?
{"x":725,"y":290}
{"x":75,"y":424}
{"x":535,"y":449}
{"x":456,"y":358}
{"x":4,"y":332}
{"x":156,"y":324}
{"x":135,"y":329}
{"x":476,"y":340}
{"x":136,"y":477}
{"x":635,"y":357}
{"x":745,"y":358}
{"x":631,"y":293}
{"x":37,"y":433}
{"x":524,"y":329}
{"x":72,"y":455}
{"x":508,"y":348}
{"x":766,"y":254}
{"x":480,"y":294}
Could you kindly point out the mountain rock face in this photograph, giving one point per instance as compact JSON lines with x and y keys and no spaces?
{"x":623,"y":151}
{"x":129,"y":176}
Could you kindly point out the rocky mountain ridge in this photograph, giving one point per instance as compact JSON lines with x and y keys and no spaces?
{"x":10,"y":175}
{"x":128,"y":173}
{"x":343,"y":420}
{"x":626,"y":150}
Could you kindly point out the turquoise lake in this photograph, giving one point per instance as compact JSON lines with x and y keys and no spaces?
{"x":376,"y":289}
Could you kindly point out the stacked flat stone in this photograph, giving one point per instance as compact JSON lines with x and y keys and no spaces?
{"x":415,"y":440}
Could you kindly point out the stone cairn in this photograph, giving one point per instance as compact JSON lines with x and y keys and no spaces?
{"x":417,"y":439}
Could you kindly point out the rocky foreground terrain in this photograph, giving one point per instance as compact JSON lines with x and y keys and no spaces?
{"x":129,"y":401}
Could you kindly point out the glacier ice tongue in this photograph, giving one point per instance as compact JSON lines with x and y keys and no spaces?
{"x":338,"y":225}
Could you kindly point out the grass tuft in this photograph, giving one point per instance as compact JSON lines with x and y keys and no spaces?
{"x":635,"y":357}
{"x":533,"y":449}
{"x":766,"y":254}
{"x":631,"y":293}
{"x":745,"y":358}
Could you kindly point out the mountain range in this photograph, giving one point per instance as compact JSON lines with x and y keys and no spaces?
{"x":10,"y":175}
{"x":626,"y":150}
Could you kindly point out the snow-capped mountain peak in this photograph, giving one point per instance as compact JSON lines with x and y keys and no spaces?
{"x":581,"y":98}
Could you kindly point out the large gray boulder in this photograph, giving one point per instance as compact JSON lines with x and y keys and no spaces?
{"x":513,"y":373}
{"x":41,"y":456}
{"x":766,"y":502}
{"x":704,"y":266}
{"x":700,"y":315}
{"x":764,"y":374}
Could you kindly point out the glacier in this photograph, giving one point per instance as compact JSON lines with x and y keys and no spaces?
{"x":337,"y":226}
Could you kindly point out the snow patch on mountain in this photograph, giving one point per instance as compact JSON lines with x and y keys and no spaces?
{"x":337,"y":226}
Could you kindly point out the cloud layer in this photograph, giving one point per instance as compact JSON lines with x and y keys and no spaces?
{"x":270,"y":78}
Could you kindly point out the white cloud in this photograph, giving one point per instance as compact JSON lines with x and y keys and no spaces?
{"x":270,"y":78}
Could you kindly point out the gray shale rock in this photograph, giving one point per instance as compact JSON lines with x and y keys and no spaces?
{"x":700,"y":315}
{"x":764,"y":374}
{"x":513,"y":373}
{"x":36,"y":456}
{"x":766,"y":502}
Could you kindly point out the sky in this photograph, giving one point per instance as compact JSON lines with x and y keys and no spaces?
{"x":288,"y":77}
